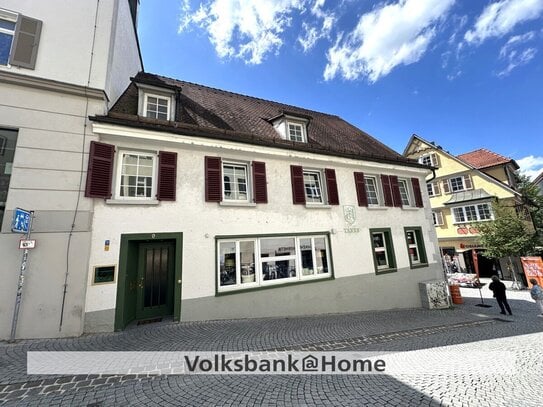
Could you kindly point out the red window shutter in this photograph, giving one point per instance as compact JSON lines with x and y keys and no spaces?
{"x":360,"y":185}
{"x":167,"y":176}
{"x":213,"y":174}
{"x":331,"y":186}
{"x":387,"y":192}
{"x":260,"y":184}
{"x":416,"y":191}
{"x":100,"y":170}
{"x":394,"y":186}
{"x":298,"y":189}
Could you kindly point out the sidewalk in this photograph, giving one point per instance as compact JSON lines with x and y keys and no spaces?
{"x":396,"y":330}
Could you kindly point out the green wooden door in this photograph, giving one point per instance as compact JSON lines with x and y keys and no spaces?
{"x":155,"y":283}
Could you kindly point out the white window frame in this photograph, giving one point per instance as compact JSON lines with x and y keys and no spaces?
{"x":12,"y":18}
{"x":405,"y":192}
{"x":433,"y":189}
{"x":259,"y":281}
{"x":321,"y":185}
{"x":460,"y":213}
{"x":383,"y":249}
{"x":437,"y":217}
{"x":119,"y":167}
{"x":248,"y":183}
{"x":376,"y":186}
{"x":413,"y":246}
{"x":298,"y":124}
{"x":429,"y":159}
{"x":168,"y":99}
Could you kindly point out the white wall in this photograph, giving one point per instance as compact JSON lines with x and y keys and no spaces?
{"x":69,"y":41}
{"x":200,"y":222}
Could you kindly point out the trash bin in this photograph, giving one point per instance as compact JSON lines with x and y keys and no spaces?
{"x":455,"y":294}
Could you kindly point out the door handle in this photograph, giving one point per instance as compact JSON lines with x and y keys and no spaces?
{"x":178,"y":281}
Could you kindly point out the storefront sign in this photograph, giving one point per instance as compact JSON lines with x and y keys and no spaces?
{"x":533,"y":268}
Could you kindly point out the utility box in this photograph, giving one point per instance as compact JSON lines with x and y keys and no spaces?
{"x":434,"y":294}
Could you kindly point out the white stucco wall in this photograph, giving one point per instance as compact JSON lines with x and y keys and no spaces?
{"x":200,"y":222}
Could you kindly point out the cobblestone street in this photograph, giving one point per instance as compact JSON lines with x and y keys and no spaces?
{"x":465,"y":328}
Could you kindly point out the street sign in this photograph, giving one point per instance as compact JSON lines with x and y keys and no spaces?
{"x":21,"y":221}
{"x":27,"y":244}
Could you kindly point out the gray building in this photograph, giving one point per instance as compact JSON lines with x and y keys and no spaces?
{"x":59,"y":63}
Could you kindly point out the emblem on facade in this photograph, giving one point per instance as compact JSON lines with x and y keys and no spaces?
{"x":349,"y":214}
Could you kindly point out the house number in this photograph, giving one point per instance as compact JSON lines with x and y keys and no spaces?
{"x":351,"y":230}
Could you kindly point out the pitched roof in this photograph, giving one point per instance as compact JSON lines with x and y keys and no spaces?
{"x":483,"y":158}
{"x":208,"y":112}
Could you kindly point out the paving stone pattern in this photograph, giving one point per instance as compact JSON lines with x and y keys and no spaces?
{"x":466,"y":328}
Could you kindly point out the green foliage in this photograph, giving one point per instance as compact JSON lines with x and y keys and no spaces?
{"x":533,"y":200}
{"x":506,"y":235}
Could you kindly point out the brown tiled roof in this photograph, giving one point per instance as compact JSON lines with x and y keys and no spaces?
{"x":214,"y":113}
{"x":483,"y":158}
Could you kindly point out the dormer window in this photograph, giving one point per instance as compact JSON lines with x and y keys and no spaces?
{"x":290,"y":127}
{"x":156,"y":103}
{"x":157,"y":107}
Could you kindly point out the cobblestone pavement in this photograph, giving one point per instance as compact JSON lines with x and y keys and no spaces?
{"x":465,"y":328}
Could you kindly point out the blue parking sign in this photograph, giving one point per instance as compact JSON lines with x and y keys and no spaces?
{"x":21,"y":221}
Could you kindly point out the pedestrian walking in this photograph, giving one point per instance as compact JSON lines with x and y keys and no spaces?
{"x":537,"y":295}
{"x":498,"y":288}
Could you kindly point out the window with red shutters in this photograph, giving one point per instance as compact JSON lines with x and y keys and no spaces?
{"x":394,"y":186}
{"x":297,"y":179}
{"x":387,"y":191}
{"x":331,"y":186}
{"x":416,"y":191}
{"x":167,"y":176}
{"x":360,"y":185}
{"x":259,"y":182}
{"x":213,"y":187}
{"x":100,"y":170}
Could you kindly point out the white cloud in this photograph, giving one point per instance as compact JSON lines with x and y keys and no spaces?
{"x":512,"y":53}
{"x":243,"y":29}
{"x":499,"y":18}
{"x":530,"y":166}
{"x":388,"y":36}
{"x":313,"y":32}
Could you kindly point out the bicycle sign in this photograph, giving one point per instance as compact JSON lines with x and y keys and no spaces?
{"x":21,"y":221}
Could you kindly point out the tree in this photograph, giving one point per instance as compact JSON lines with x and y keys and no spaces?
{"x":533,"y":200}
{"x":507,"y":235}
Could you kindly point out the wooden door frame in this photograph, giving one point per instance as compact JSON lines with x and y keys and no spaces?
{"x":128,"y":244}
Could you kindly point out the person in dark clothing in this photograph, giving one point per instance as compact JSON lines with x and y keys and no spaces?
{"x":498,"y":288}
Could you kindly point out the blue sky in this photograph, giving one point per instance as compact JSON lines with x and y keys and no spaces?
{"x":465,"y":74}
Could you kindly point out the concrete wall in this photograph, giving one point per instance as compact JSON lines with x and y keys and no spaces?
{"x":356,"y":286}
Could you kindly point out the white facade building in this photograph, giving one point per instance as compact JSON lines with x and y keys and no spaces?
{"x":59,"y":63}
{"x":214,"y":205}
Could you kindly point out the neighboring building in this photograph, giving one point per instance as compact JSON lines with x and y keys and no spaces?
{"x":59,"y":63}
{"x":462,"y":190}
{"x":538,"y":182}
{"x":213,"y":205}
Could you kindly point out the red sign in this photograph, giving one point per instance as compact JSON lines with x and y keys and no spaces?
{"x":533,"y":268}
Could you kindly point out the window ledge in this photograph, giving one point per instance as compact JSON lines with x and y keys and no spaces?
{"x":317,"y":206}
{"x":132,"y":202}
{"x":419,"y":266}
{"x":410,"y":208}
{"x":239,"y":204}
{"x":386,"y":271}
{"x":377,"y":208}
